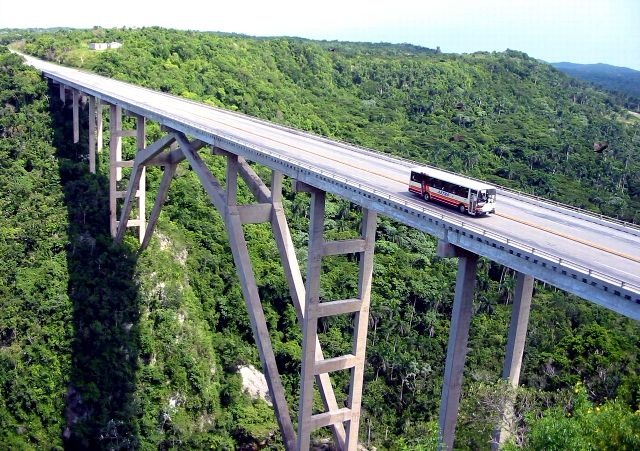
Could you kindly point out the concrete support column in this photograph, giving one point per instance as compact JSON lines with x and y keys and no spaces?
{"x":227,"y":206}
{"x":310,"y":323}
{"x":92,"y":134}
{"x":63,"y":92}
{"x":99,"y":126}
{"x":115,"y":171}
{"x":457,"y":346}
{"x":515,"y":349}
{"x":361,"y":325}
{"x":76,"y":116}
{"x":141,"y":144}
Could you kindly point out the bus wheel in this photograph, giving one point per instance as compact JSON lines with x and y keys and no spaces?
{"x":426,"y":197}
{"x":461,"y":208}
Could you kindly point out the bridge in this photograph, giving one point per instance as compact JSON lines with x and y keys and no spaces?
{"x":593,"y":257}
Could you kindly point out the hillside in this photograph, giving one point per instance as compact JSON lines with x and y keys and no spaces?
{"x":613,"y":78}
{"x":148,"y":345}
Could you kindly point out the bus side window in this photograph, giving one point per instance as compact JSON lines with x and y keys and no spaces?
{"x":414,"y":177}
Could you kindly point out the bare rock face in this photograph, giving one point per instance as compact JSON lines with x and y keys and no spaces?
{"x":254,"y":383}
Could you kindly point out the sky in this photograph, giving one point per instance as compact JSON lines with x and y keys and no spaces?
{"x":579,"y":31}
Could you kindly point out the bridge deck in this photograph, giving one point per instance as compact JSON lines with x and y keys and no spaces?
{"x":589,"y":256}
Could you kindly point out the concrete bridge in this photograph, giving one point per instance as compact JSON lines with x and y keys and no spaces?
{"x":591,"y":256}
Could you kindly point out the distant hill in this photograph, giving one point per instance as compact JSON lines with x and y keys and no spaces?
{"x":614,"y":78}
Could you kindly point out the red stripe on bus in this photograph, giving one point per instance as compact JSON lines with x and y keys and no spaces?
{"x":445,"y":199}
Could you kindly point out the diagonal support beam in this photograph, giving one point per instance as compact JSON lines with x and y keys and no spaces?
{"x":142,"y":157}
{"x":161,"y":197}
{"x":146,"y":154}
{"x":170,"y":161}
{"x":292,"y":272}
{"x":229,"y":210}
{"x":211,"y":186}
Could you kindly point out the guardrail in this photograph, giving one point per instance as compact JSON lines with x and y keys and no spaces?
{"x":199,"y":130}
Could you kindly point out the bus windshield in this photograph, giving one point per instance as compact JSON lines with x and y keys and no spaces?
{"x":487,"y":195}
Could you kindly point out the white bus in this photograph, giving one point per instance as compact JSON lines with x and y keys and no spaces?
{"x":476,"y":198}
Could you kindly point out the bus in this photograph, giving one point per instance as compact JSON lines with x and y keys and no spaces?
{"x":467,"y":195}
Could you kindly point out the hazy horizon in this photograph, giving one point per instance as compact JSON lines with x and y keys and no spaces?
{"x":578,"y":31}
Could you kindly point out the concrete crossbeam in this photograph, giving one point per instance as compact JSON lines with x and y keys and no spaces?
{"x":334,"y":364}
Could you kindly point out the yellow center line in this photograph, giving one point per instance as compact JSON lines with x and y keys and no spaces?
{"x":578,"y":240}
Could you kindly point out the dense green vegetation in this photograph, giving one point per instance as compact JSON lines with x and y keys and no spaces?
{"x":35,"y":310}
{"x":141,"y":350}
{"x":623,"y":81}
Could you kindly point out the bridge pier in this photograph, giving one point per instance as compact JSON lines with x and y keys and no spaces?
{"x":313,"y":364}
{"x":292,"y":273}
{"x":515,"y":350}
{"x":458,"y":338}
{"x":95,"y":131}
{"x":137,"y":185}
{"x":76,"y":115}
{"x":92,"y":134}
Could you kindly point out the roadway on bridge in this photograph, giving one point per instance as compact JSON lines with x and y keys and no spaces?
{"x":591,"y":243}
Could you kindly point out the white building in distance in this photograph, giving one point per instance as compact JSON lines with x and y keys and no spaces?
{"x":104,"y":45}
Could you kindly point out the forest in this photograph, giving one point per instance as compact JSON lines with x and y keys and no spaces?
{"x":622,"y":81}
{"x":103,"y":347}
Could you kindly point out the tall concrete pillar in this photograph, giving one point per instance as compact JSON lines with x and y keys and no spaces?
{"x":313,"y":363}
{"x":310,"y":324}
{"x":141,"y":144}
{"x":92,"y":134}
{"x":76,"y":116}
{"x":99,"y":107}
{"x":458,"y":338}
{"x":515,"y":349}
{"x":115,"y":170}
